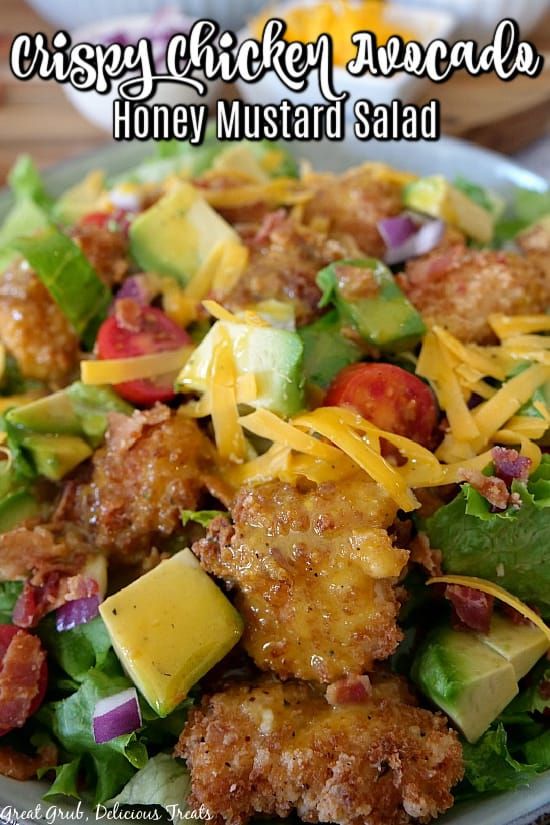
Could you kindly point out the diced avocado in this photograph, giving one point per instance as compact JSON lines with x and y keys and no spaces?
{"x":56,"y":455}
{"x":169,"y":628}
{"x":240,"y":158}
{"x":326,"y":350}
{"x":435,"y":196}
{"x":17,"y":507}
{"x":77,"y":410}
{"x":520,"y":644}
{"x":178,"y":234}
{"x":81,"y":199}
{"x":464,"y":677}
{"x":367,"y":297}
{"x":273,"y":356}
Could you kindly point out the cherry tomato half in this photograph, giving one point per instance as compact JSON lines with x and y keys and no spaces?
{"x":392,"y":398}
{"x":118,"y":220}
{"x":7,"y":632}
{"x":151,"y":331}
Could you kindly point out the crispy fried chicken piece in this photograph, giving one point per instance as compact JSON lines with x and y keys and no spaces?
{"x":352,"y":204}
{"x":153,"y":465}
{"x":314,"y":572}
{"x":273,"y":748}
{"x":283,"y":265}
{"x":107,"y":249}
{"x":459,"y":287}
{"x":33,"y":328}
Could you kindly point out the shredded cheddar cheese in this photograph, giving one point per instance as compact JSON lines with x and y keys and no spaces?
{"x":118,"y":370}
{"x":228,"y":432}
{"x":497,"y":592}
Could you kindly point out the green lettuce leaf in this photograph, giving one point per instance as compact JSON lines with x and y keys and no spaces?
{"x":69,"y":278}
{"x":489,"y":765}
{"x":9,"y":593}
{"x":164,"y":781}
{"x":511,"y":548}
{"x":110,"y":765}
{"x":326,"y":350}
{"x":202,"y":517}
{"x":79,"y":650}
{"x":479,"y":195}
{"x":30,"y":210}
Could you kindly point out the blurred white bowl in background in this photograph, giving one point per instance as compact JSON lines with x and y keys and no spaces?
{"x":478,"y":18}
{"x":427,"y":24}
{"x":98,"y":108}
{"x":68,"y":14}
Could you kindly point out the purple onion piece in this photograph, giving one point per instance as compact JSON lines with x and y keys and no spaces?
{"x":76,"y":612}
{"x":136,"y":288}
{"x":116,"y":715}
{"x":424,"y":240}
{"x":395,"y":231}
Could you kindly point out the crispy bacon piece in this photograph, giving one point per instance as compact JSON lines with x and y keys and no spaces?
{"x":35,"y":553}
{"x":21,"y":766}
{"x":426,"y":556}
{"x":349,"y":691}
{"x":38,"y":600}
{"x":510,"y":465}
{"x":490,"y":487}
{"x":472,"y":609}
{"x":19,"y":679}
{"x":106,"y":248}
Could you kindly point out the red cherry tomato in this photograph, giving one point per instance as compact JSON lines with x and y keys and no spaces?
{"x":151,"y":331}
{"x":392,"y":398}
{"x":119,"y":219}
{"x":7,"y":632}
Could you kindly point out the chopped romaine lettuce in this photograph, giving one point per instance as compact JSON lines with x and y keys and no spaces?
{"x":202,"y":517}
{"x":9,"y":593}
{"x":326,"y":350}
{"x":164,"y":781}
{"x":78,"y":650}
{"x":489,"y":765}
{"x":511,"y":548}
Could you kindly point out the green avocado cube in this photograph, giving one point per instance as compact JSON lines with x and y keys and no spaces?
{"x":367,"y":297}
{"x":178,"y":234}
{"x":169,"y":628}
{"x":520,"y":644}
{"x":273,"y":356}
{"x":464,"y":677}
{"x":56,"y":455}
{"x":17,"y":507}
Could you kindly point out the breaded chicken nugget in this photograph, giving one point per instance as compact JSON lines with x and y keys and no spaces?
{"x":353,"y":204}
{"x":314,"y":573}
{"x":283,"y":266}
{"x":153,"y":465}
{"x":458,"y":288}
{"x":274,"y":748}
{"x":33,"y":328}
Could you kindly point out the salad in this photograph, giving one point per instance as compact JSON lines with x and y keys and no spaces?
{"x":274,"y":488}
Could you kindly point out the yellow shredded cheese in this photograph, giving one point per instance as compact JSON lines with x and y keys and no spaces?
{"x":118,"y":370}
{"x":276,"y":192}
{"x":330,"y":422}
{"x":228,"y":432}
{"x":492,"y":414}
{"x":268,"y":425}
{"x":497,"y":592}
{"x":272,"y":464}
{"x":509,"y":325}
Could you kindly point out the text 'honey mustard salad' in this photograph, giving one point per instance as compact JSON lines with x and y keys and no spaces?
{"x":274,"y":488}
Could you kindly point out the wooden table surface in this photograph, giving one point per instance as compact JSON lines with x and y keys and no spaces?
{"x":35,"y":116}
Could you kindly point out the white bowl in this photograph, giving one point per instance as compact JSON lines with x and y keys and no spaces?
{"x":478,"y":18}
{"x":98,"y":108}
{"x":428,"y":23}
{"x":68,"y":14}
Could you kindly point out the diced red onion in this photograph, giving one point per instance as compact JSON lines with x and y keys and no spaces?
{"x":422,"y":239}
{"x":116,"y":715}
{"x":135,"y":288}
{"x":76,"y":612}
{"x":395,"y":231}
